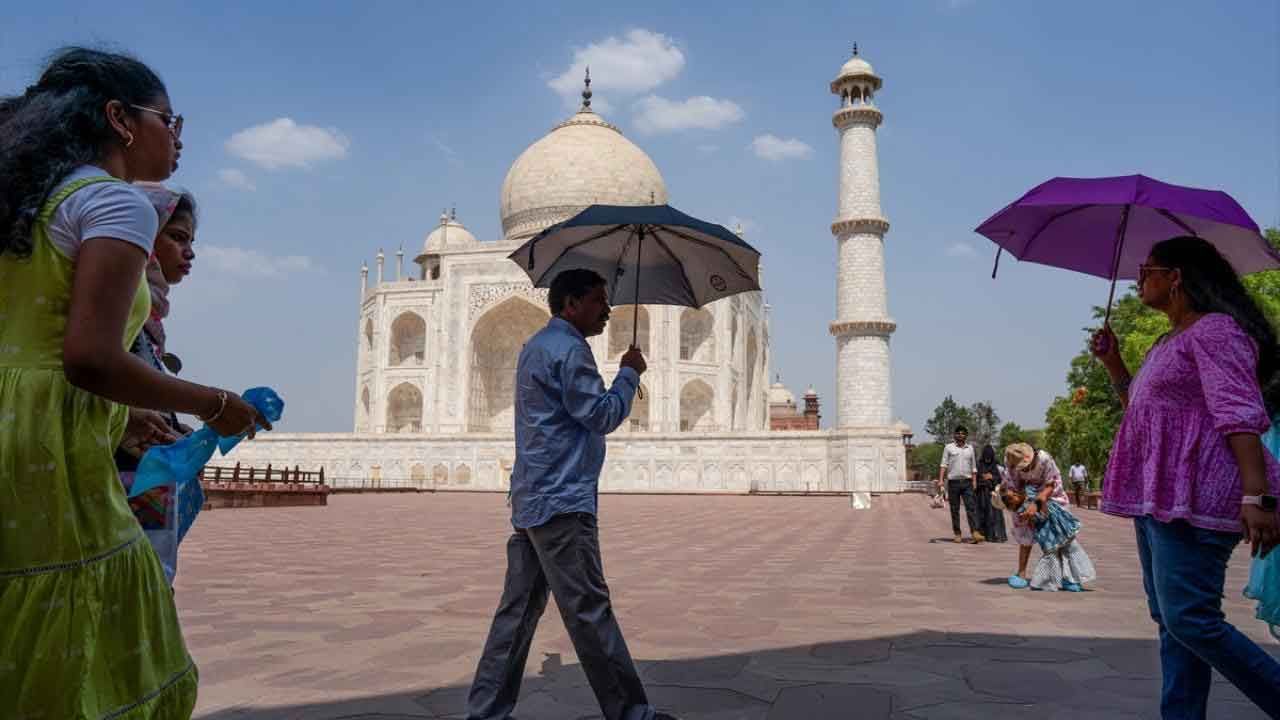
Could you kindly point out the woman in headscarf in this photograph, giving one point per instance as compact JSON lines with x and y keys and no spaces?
{"x":990,"y":518}
{"x":170,"y":261}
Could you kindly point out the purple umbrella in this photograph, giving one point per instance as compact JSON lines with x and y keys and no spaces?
{"x":1107,"y":226}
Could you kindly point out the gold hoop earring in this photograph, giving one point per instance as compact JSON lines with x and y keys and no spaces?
{"x":129,"y":140}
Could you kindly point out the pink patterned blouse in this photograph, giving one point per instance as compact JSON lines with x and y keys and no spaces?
{"x":1171,"y":459}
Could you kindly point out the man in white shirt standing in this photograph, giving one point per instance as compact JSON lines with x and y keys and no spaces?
{"x":958,"y":477}
{"x":1079,"y":483}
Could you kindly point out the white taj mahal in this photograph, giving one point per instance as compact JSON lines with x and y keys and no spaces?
{"x":438,"y":344}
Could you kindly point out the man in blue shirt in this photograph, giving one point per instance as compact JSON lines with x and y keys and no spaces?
{"x":562,"y":414}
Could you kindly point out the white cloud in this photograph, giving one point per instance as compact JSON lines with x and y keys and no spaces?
{"x":284,"y":143}
{"x":636,"y":63}
{"x":656,"y":114}
{"x":236,"y":179}
{"x":961,"y":249}
{"x":708,"y":149}
{"x":772,"y":147}
{"x":252,"y":263}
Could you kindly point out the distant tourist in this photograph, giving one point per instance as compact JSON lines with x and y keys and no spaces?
{"x":563,"y":413}
{"x":1188,"y":466}
{"x":170,"y":262}
{"x":89,"y":626}
{"x":1032,"y":491}
{"x":958,"y":477}
{"x":1079,"y":482}
{"x":990,"y":517}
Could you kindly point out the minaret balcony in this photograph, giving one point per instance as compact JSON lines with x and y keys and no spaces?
{"x":877,"y":225}
{"x":883,"y":328}
{"x":857,"y":115}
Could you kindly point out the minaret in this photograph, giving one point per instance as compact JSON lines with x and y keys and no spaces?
{"x":399,"y":262}
{"x":364,"y":280}
{"x":381,"y":259}
{"x":862,"y":326}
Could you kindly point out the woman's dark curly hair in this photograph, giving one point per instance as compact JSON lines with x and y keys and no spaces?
{"x":57,"y":125}
{"x":1212,"y":285}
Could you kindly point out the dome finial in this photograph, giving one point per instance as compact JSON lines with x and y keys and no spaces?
{"x":855,"y":49}
{"x":586,"y":90}
{"x":453,"y":212}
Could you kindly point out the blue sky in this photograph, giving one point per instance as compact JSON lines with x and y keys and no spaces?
{"x":396,"y":110}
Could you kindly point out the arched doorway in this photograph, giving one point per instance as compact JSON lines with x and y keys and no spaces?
{"x":696,"y":400}
{"x":496,"y":342}
{"x":622,"y":320}
{"x":404,"y":409}
{"x":697,"y":343}
{"x":408,"y":344}
{"x":638,"y":421}
{"x":749,"y":411}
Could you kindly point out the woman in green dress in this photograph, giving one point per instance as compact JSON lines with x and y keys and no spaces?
{"x":88,"y":627}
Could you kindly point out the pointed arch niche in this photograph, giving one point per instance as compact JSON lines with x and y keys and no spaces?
{"x":697,"y":342}
{"x":622,"y":320}
{"x":496,"y":342}
{"x":697,"y":401}
{"x":404,"y":409}
{"x":408,"y":344}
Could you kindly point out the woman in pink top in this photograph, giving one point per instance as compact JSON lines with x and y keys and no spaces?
{"x":1189,"y":467}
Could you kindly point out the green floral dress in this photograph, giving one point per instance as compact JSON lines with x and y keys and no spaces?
{"x":88,"y":628}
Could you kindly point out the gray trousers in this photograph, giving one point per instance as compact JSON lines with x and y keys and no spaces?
{"x":561,"y":556}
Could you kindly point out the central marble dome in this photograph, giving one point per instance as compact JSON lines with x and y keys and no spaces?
{"x":582,"y":161}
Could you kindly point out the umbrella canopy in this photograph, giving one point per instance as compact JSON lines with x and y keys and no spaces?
{"x":1107,"y":226}
{"x":649,"y":254}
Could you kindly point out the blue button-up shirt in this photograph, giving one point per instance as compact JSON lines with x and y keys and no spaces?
{"x":562,"y":414}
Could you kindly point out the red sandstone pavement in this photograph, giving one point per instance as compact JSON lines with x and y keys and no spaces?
{"x":761,"y":608}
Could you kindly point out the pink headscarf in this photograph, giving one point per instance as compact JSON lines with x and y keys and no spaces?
{"x":165,"y":200}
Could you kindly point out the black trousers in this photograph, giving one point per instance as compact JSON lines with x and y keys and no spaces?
{"x":561,"y":556}
{"x":958,"y":491}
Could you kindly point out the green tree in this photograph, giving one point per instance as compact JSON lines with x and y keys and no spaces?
{"x":1010,"y":433}
{"x":985,"y":424}
{"x":928,"y":458}
{"x":946,"y":417}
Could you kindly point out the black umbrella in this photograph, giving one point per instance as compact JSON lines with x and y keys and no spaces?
{"x":685,"y":261}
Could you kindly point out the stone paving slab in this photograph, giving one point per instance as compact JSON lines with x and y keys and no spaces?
{"x":742,"y":608}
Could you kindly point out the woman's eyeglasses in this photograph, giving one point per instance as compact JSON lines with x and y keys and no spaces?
{"x":1145,"y":270}
{"x":174,"y":122}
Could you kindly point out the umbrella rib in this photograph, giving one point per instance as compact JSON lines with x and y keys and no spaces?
{"x":1174,"y":219}
{"x":1026,"y":249}
{"x":566,"y":251}
{"x":713,"y":246}
{"x":617,"y":269}
{"x":684,"y":275}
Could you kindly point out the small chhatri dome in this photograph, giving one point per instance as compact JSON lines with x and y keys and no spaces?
{"x":448,"y":235}
{"x":857,"y":68}
{"x":779,"y":394}
{"x":583,"y":161}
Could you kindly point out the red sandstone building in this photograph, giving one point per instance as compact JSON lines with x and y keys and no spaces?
{"x":785,"y":415}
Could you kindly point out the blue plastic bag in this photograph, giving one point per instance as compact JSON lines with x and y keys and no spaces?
{"x":179,"y":464}
{"x":1264,"y":573}
{"x":1264,"y":587}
